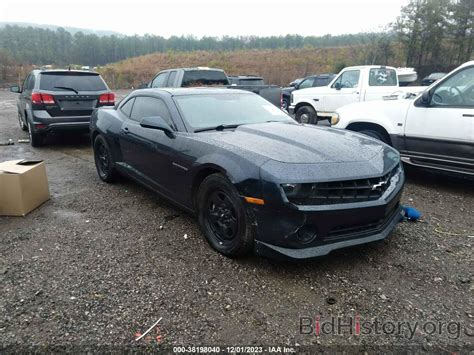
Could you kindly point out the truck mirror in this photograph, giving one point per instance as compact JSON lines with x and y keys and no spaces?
{"x":337,"y":86}
{"x":426,"y":98}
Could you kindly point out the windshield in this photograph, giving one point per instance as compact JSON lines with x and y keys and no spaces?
{"x":78,"y":82}
{"x":202,"y":111}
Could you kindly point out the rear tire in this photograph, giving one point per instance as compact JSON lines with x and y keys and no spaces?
{"x":36,"y":139}
{"x":374,"y":134}
{"x":23,"y":126}
{"x":103,"y":160}
{"x":223,"y":217}
{"x":306,"y":114}
{"x":285,"y":104}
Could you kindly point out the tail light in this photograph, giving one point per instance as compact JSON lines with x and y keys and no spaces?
{"x":107,"y":99}
{"x":42,"y":99}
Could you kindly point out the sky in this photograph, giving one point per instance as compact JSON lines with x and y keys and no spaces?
{"x":209,"y":17}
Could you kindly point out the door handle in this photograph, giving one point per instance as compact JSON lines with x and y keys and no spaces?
{"x":468,"y":115}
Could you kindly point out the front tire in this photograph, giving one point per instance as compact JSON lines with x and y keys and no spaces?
{"x":223,"y":217}
{"x":306,"y":114}
{"x":103,"y":160}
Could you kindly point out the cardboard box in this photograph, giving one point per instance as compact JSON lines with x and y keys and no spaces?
{"x":23,"y":186}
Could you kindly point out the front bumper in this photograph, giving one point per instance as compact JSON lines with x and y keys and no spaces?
{"x":291,"y":110}
{"x":380,"y":233}
{"x":280,"y":228}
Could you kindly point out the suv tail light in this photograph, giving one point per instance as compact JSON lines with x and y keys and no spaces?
{"x":42,"y":99}
{"x":107,"y":99}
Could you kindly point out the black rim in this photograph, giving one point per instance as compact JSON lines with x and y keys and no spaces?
{"x":221,"y":217}
{"x":103,"y":159}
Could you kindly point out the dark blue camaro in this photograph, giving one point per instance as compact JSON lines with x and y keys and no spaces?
{"x":255,"y":178}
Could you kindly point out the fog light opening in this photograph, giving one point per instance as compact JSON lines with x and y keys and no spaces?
{"x":306,"y":234}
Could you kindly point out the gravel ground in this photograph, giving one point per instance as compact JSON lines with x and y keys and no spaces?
{"x":93,"y":267}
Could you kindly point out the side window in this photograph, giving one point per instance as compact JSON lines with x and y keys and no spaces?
{"x":457,"y":91}
{"x":171,"y":78}
{"x":31,"y":82}
{"x":348,"y":79}
{"x":126,"y":108}
{"x":321,"y":82}
{"x":146,"y":106}
{"x":160,"y":80}
{"x":25,"y":82}
{"x":382,"y":77}
{"x":306,"y":83}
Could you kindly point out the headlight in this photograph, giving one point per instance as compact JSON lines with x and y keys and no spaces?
{"x":334,"y":119}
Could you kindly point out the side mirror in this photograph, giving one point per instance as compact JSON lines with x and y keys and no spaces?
{"x":337,"y":86}
{"x":16,"y":89}
{"x":156,"y":122}
{"x":296,"y":86}
{"x":426,"y":98}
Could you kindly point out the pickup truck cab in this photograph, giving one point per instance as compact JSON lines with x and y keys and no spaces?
{"x":434,"y":129}
{"x":352,"y":84}
{"x":204,"y":76}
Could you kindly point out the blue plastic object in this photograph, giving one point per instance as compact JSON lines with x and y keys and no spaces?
{"x":411,"y":213}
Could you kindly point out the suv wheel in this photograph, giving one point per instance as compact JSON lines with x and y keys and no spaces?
{"x":23,"y":126}
{"x":306,"y":114}
{"x":36,"y":140}
{"x":223,"y":217}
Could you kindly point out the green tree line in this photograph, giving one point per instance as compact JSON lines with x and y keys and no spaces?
{"x":436,"y":34}
{"x":43,"y":46}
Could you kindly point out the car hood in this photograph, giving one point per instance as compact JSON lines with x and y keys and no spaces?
{"x":299,"y":144}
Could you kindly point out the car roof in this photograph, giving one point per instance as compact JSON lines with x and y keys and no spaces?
{"x":192,"y":68}
{"x":193,"y":91}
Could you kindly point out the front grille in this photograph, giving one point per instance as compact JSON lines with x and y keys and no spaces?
{"x":347,"y":191}
{"x":357,"y":230}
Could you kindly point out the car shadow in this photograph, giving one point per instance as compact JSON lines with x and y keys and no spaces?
{"x":450,"y":182}
{"x":68,"y":140}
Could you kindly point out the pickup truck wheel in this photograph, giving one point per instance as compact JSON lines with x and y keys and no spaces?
{"x":285,"y":104}
{"x":374,"y":134}
{"x":306,"y":114}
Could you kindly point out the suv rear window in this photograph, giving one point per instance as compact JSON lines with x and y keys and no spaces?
{"x":251,"y":82}
{"x":204,"y":78}
{"x":79,"y":82}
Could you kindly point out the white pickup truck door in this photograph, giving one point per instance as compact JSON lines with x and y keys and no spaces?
{"x":343,"y":91}
{"x":442,"y":133}
{"x":382,"y":83}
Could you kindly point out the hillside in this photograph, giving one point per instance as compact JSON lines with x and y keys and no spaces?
{"x":71,"y":30}
{"x":277,"y":66}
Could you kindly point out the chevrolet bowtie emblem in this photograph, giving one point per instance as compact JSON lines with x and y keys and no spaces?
{"x":380,"y":184}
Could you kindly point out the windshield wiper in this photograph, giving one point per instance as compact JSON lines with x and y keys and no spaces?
{"x":66,"y":88}
{"x":220,"y":127}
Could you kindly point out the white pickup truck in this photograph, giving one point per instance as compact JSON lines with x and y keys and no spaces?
{"x":352,"y":84}
{"x":434,"y":129}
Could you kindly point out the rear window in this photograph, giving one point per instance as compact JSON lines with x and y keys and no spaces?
{"x":79,"y":82}
{"x":251,"y":82}
{"x":204,"y":78}
{"x":383,"y":77}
